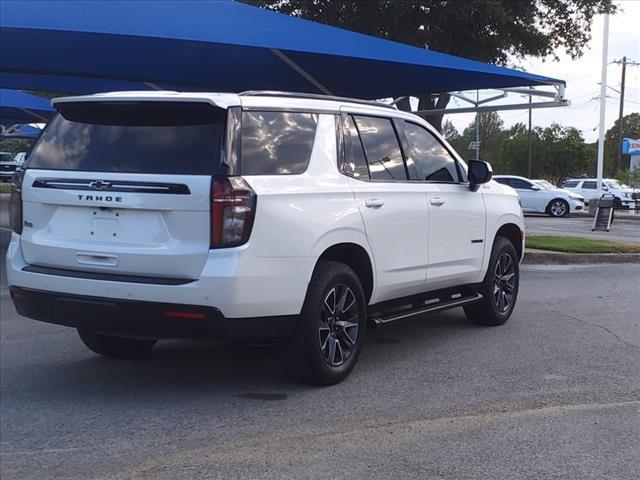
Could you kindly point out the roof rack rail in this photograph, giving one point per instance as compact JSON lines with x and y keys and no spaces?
{"x":313,"y":96}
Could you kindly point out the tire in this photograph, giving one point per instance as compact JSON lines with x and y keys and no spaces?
{"x":558,"y":208}
{"x":116,"y":347}
{"x":324,"y":348}
{"x":495,"y":309}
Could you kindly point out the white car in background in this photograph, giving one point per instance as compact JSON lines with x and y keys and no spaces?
{"x":625,"y":196}
{"x":543,"y":197}
{"x":20,"y":158}
{"x":579,"y":199}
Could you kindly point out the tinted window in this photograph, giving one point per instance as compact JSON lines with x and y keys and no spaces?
{"x":520,"y":184}
{"x":276,"y":143}
{"x":571,"y":183}
{"x":6,"y":157}
{"x":504,"y":181}
{"x":381,"y":148}
{"x":433,"y":162}
{"x":590,"y":185}
{"x":134,"y":137}
{"x":355,"y":163}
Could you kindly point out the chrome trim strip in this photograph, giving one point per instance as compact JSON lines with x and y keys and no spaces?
{"x":112,"y":186}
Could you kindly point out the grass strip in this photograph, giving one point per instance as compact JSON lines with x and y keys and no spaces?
{"x":578,"y":245}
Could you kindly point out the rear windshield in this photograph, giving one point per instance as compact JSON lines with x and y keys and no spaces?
{"x":133,"y":137}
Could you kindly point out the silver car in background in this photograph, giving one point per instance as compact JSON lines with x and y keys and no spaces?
{"x":542,"y":197}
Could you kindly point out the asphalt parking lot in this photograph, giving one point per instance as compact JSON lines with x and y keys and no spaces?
{"x":555,"y":393}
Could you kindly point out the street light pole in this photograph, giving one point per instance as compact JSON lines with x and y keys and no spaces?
{"x":603,"y":95}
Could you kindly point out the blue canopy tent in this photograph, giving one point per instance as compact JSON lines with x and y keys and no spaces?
{"x":19,"y":107}
{"x":91,"y":46}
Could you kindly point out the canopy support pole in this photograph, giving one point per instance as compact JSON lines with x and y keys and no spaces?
{"x":153,"y":86}
{"x":303,"y":73}
{"x":34,"y":114}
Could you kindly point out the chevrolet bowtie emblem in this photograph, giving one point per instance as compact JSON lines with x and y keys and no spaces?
{"x":99,"y":185}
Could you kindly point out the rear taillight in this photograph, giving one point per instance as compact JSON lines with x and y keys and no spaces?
{"x":15,"y":202}
{"x":233,"y":207}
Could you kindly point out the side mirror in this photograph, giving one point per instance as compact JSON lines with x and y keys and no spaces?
{"x":479,"y":172}
{"x":535,"y":187}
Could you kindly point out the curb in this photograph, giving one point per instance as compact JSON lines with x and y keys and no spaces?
{"x":619,"y":215}
{"x":541,"y":257}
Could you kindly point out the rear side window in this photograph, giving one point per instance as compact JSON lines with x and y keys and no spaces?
{"x":571,"y":184}
{"x":432,"y":160}
{"x":276,"y":143}
{"x":590,"y":185}
{"x":504,"y":181}
{"x":133,"y":137}
{"x":520,"y":184}
{"x":355,"y":164}
{"x":381,"y":148}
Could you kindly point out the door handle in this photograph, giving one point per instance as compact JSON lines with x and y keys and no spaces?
{"x":374,"y":203}
{"x":437,"y":201}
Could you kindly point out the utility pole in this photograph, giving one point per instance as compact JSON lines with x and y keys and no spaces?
{"x":529,"y":155}
{"x":618,"y":145}
{"x":603,"y":95}
{"x":624,"y":62}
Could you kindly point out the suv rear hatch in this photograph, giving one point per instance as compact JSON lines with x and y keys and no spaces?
{"x":123,"y":187}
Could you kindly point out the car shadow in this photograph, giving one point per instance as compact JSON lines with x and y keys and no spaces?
{"x":181,"y":368}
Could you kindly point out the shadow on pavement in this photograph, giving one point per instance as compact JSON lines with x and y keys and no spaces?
{"x":178,"y":368}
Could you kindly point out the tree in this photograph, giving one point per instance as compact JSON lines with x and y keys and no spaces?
{"x":493,"y":31}
{"x":491,"y":137}
{"x":449,"y":131}
{"x":630,"y":129}
{"x":557,"y":152}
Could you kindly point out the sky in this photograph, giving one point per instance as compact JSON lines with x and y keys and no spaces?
{"x":583,"y":79}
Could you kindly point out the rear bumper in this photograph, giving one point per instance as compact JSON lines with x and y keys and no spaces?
{"x":233,"y":281}
{"x":130,"y":318}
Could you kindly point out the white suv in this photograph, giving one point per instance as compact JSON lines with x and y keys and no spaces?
{"x":8,"y":166}
{"x":625,"y":196}
{"x":263,"y":215}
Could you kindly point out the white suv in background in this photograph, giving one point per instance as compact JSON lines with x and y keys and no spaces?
{"x":263,"y":215}
{"x":539,"y":196}
{"x":8,"y":166}
{"x":625,"y":196}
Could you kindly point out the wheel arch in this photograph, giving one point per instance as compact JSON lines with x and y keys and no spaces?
{"x":356,"y":258}
{"x":513,"y":233}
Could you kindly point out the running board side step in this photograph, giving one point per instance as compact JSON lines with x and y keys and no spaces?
{"x":380,"y":319}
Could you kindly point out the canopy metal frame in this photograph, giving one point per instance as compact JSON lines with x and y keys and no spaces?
{"x":557,"y":96}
